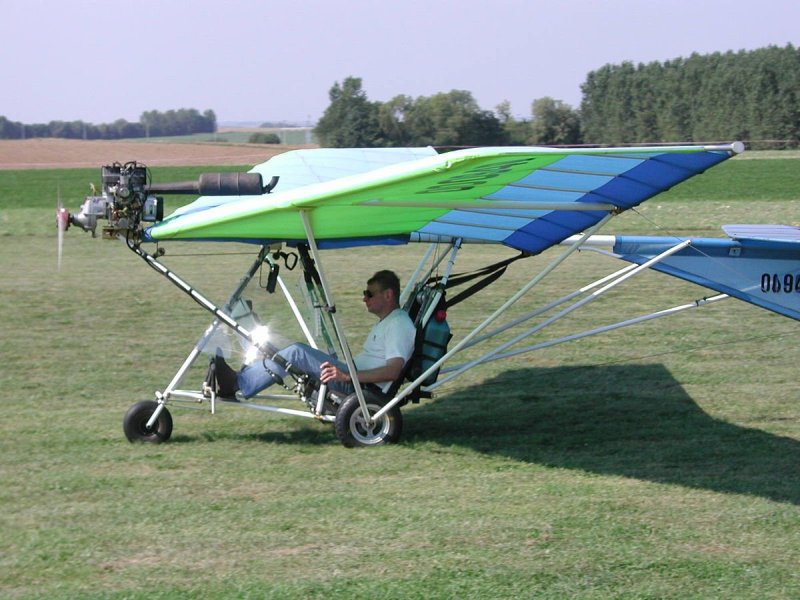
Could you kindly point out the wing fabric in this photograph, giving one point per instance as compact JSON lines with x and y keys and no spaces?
{"x":764,"y":272}
{"x":527,"y":198}
{"x":771,"y":234}
{"x":301,"y":168}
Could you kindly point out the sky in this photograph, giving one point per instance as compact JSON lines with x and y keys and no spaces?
{"x":273,"y":60}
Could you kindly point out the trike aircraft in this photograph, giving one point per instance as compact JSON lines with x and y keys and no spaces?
{"x":527,"y":199}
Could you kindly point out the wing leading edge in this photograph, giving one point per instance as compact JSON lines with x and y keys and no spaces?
{"x":527,"y":198}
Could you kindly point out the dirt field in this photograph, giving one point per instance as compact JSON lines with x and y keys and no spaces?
{"x":58,"y":153}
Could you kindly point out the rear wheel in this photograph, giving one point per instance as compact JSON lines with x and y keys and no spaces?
{"x":135,"y":423}
{"x":353,"y":429}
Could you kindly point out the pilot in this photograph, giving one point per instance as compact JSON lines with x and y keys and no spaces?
{"x":387,"y":348}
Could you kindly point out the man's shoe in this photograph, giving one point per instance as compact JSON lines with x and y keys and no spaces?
{"x":226,"y":379}
{"x":210,"y":382}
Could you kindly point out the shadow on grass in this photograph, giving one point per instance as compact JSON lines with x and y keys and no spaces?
{"x":633,"y":420}
{"x":305,"y":435}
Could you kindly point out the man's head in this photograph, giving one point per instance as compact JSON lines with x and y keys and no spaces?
{"x":382,"y":295}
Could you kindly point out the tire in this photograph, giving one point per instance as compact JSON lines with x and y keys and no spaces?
{"x":135,"y":423}
{"x":351,"y":427}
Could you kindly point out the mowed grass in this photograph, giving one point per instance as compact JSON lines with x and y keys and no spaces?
{"x":659,"y":461}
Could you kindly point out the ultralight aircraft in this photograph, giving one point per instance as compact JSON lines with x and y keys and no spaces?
{"x":527,"y":199}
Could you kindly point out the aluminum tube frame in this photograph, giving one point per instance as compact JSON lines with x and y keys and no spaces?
{"x":564,"y":312}
{"x":296,"y":311}
{"x":415,"y":278}
{"x":184,"y":286}
{"x":456,"y":246}
{"x":330,"y":306}
{"x":488,"y":321}
{"x":547,"y":307}
{"x":286,"y":411}
{"x":611,"y":327}
{"x":221,"y":317}
{"x":415,"y":275}
{"x":163,"y":397}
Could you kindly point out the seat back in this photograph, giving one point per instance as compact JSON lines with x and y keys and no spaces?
{"x":427,"y":308}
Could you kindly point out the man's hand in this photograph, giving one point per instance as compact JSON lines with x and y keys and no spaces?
{"x":329,"y":372}
{"x":389,"y":372}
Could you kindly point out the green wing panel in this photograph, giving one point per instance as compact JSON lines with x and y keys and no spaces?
{"x":339,"y":209}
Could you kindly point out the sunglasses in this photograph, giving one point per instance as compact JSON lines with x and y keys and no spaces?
{"x":370,"y":293}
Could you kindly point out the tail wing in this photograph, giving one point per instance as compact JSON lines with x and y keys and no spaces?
{"x":759,"y":264}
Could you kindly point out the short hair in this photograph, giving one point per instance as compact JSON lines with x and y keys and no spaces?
{"x":388,"y":281}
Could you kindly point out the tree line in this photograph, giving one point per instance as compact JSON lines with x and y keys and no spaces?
{"x":745,"y":95}
{"x":153,"y":123}
{"x":748,"y":95}
{"x":752,"y":96}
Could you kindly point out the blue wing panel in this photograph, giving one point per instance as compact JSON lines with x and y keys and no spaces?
{"x":467,"y":218}
{"x":527,"y":194}
{"x":767,"y":275}
{"x":526,"y":214}
{"x":659,"y":173}
{"x":598,"y":165}
{"x":478,"y":232}
{"x":552,"y":229}
{"x":563,"y":180}
{"x":622,"y":180}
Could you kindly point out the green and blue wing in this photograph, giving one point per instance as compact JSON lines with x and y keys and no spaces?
{"x":527,"y":198}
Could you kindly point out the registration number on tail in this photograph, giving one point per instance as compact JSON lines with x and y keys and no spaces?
{"x":780,"y":284}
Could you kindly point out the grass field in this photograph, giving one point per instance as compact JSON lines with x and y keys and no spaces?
{"x":660,"y":461}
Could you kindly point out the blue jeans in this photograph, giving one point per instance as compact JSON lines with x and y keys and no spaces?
{"x":254,"y":378}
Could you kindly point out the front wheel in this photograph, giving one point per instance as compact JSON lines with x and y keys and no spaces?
{"x":353,"y":429}
{"x":135,"y":423}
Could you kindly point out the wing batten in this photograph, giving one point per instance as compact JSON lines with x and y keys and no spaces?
{"x":492,"y":221}
{"x":473,"y":232}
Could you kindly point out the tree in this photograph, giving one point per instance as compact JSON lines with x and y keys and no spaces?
{"x":746,"y":95}
{"x":177,"y":122}
{"x":445,"y":119}
{"x":392,"y":121}
{"x":10,"y":129}
{"x":554,"y":123}
{"x":516,"y":132}
{"x":261,"y":137}
{"x":452,"y":119}
{"x":351,"y":120}
{"x":122,"y":129}
{"x":210,"y":121}
{"x":173,"y":122}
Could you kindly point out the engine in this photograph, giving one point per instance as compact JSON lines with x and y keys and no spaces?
{"x":128,"y":201}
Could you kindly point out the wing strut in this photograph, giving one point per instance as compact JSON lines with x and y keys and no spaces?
{"x":330,"y":307}
{"x":564,"y":312}
{"x":597,"y":330}
{"x":497,"y":313}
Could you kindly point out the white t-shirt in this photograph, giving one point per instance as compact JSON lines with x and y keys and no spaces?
{"x":391,"y":337}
